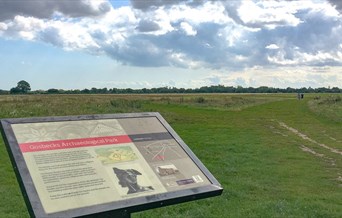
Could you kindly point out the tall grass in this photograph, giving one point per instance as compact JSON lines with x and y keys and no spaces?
{"x":329,"y":106}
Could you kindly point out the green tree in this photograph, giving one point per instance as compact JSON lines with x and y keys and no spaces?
{"x":21,"y":88}
{"x":52,"y":91}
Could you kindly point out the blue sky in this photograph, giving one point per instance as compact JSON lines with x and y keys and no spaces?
{"x":181,"y":43}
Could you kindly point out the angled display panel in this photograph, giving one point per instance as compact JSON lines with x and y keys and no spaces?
{"x":103,"y":164}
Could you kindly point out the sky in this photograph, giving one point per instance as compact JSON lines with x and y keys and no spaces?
{"x":78,"y":44}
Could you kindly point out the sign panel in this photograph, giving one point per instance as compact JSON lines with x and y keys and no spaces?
{"x":74,"y":166}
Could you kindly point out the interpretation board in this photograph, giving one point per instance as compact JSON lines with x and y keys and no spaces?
{"x":103,"y":164}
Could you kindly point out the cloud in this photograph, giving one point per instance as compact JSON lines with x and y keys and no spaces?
{"x":148,"y":26}
{"x":273,"y":77}
{"x":67,"y":35}
{"x":189,"y":30}
{"x":47,"y":8}
{"x":337,"y":4}
{"x":21,"y":27}
{"x":187,"y":34}
{"x":313,"y":42}
{"x":138,"y":51}
{"x":153,"y":4}
{"x":268,"y":14}
{"x":272,"y":46}
{"x":52,"y":35}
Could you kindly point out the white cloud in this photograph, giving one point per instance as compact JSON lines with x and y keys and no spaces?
{"x":23,"y":27}
{"x":209,"y":12}
{"x":272,"y":46}
{"x":303,"y":58}
{"x":3,"y":27}
{"x":269,"y":14}
{"x":189,"y":30}
{"x":233,"y":35}
{"x":68,"y":35}
{"x":181,"y":60}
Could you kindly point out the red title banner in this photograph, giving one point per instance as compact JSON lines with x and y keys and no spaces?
{"x":73,"y":143}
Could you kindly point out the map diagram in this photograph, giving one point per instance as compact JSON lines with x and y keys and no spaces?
{"x":106,"y":129}
{"x":162,"y":150}
{"x":115,"y":154}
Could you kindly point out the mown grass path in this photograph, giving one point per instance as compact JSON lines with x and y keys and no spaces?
{"x":266,"y":169}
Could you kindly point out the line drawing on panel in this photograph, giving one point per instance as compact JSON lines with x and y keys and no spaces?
{"x":158,"y":150}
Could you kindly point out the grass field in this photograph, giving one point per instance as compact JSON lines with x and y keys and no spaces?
{"x":274,"y":155}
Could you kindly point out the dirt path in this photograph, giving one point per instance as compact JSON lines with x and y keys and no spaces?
{"x":311,"y":151}
{"x":305,"y":137}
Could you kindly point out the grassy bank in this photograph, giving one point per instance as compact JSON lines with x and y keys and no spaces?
{"x":274,"y":155}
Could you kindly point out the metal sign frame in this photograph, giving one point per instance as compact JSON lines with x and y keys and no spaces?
{"x":121,"y":208}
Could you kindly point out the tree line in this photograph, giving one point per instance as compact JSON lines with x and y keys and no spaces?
{"x":24,"y":87}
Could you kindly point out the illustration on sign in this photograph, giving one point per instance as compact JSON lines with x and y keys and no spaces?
{"x":128,"y":178}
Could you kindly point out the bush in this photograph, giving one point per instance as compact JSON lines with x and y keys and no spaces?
{"x":200,"y":100}
{"x":331,"y":100}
